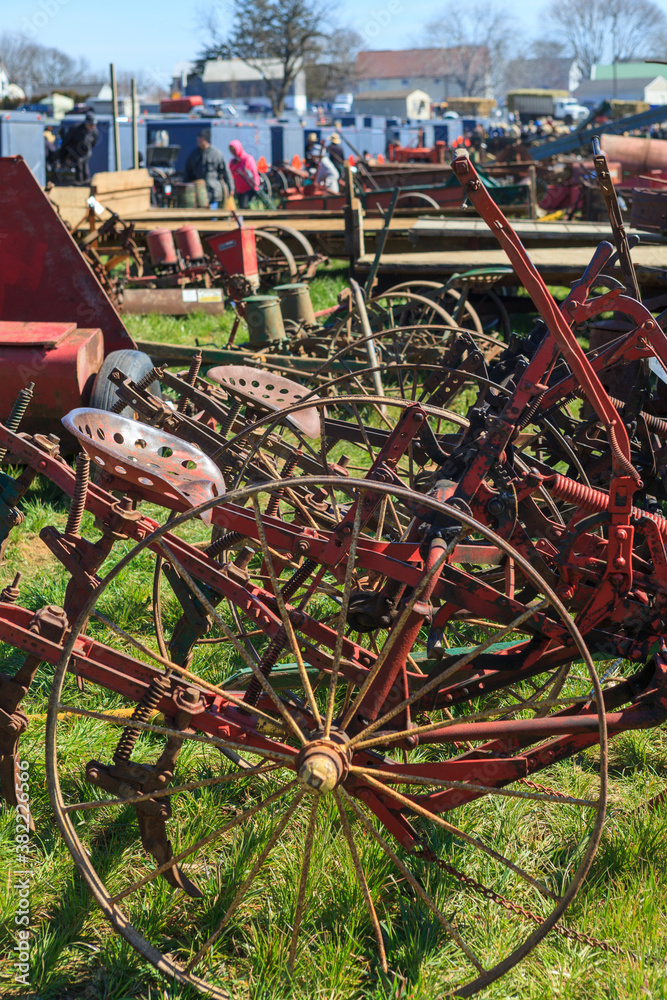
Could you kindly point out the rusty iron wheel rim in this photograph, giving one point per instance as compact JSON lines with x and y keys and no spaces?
{"x":135,"y":938}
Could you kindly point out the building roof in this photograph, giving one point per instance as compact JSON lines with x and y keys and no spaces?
{"x":626,"y":89}
{"x":387,"y":95}
{"x":629,"y":71}
{"x":386,"y":64}
{"x":227,"y":70}
{"x":85,"y":88}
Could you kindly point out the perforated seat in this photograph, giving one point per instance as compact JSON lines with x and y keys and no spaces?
{"x":270,"y":392}
{"x":164,"y":469}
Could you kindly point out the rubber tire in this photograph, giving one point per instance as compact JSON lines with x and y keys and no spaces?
{"x":134,"y":364}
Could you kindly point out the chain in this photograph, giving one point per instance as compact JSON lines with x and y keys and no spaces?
{"x":545,"y":789}
{"x":428,"y":855}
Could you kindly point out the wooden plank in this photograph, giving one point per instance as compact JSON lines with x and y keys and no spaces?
{"x":69,"y":196}
{"x":120,"y":180}
{"x":557,"y":265}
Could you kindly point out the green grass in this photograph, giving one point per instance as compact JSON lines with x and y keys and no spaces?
{"x":76,"y":954}
{"x":212,"y":331}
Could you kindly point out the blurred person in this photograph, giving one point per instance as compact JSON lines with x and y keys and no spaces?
{"x":245,"y":173}
{"x":77,"y":147}
{"x":326,"y":176}
{"x":335,"y":152}
{"x":208,"y":164}
{"x":311,"y":142}
{"x":50,"y":147}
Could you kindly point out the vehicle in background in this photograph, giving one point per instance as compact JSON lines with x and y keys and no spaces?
{"x":343,"y":104}
{"x":259,"y":106}
{"x":529,"y":104}
{"x":221,"y":109}
{"x":181,"y":105}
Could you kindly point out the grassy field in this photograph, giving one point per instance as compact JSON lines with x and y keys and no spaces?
{"x":76,"y":954}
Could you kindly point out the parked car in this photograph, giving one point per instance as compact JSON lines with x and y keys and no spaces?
{"x":223,"y":109}
{"x":343,"y":104}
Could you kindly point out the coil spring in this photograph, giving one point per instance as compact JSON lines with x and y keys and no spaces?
{"x":531,"y":411}
{"x":154,"y":375}
{"x":17,"y":412}
{"x":654,"y":423}
{"x":266,"y":665}
{"x":288,"y":468}
{"x":224,"y":542}
{"x":190,"y":378}
{"x":157,"y":689}
{"x":591,"y":499}
{"x":232,"y":414}
{"x":78,"y":504}
{"x":279,"y":641}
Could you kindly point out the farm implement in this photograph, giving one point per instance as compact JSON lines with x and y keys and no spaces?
{"x":371,"y":611}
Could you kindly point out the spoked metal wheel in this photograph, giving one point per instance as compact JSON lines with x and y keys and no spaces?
{"x":376,"y":781}
{"x":276,"y":262}
{"x":447,"y":298}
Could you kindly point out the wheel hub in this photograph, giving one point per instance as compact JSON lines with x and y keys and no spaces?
{"x":323,"y":763}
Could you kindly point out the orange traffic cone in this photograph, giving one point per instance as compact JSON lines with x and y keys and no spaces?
{"x":379,"y":159}
{"x":296,"y":161}
{"x":350,"y":160}
{"x":261,"y":165}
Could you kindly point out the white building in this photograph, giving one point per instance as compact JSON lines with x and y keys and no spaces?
{"x":627,"y":81}
{"x":8,"y":90}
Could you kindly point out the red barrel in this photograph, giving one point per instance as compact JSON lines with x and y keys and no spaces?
{"x":189,"y":242}
{"x":161,"y":247}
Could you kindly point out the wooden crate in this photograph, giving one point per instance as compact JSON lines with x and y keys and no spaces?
{"x":123,"y":192}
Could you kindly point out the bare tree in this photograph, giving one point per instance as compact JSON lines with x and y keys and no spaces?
{"x":331,"y":69}
{"x":269,"y":35}
{"x":544,"y":64}
{"x":37,"y":68}
{"x":148,"y":84}
{"x":476,"y":37}
{"x":606,"y":30}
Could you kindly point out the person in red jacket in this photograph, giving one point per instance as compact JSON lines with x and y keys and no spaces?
{"x":245,"y":173}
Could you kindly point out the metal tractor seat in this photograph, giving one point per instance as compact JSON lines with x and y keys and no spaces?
{"x":160,"y":467}
{"x":267,"y":391}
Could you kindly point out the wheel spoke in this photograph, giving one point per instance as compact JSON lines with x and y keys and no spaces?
{"x":287,"y":624}
{"x":207,"y":685}
{"x":488,"y":713}
{"x":395,"y":632}
{"x":513,"y":793}
{"x":457,"y":832}
{"x":303,"y":881}
{"x":342,"y":618}
{"x":241,"y":891}
{"x":185,"y":576}
{"x":407,"y":874}
{"x":117,"y":720}
{"x":462,"y":662}
{"x":361,"y":878}
{"x":190,"y":786}
{"x":204,"y":841}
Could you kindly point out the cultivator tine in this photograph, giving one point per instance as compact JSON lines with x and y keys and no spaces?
{"x":152,"y":817}
{"x":11,"y":785}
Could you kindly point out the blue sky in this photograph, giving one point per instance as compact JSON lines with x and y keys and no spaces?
{"x":151,"y":37}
